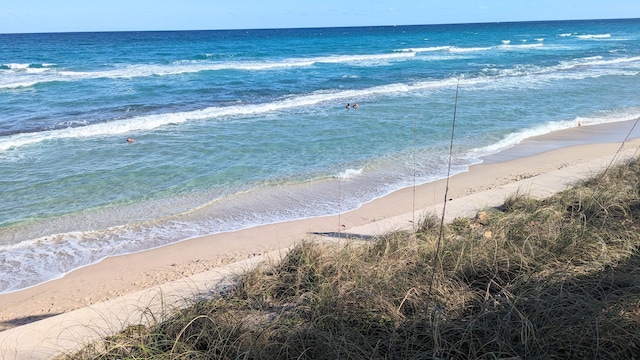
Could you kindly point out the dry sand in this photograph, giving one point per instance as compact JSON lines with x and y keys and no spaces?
{"x":503,"y":173}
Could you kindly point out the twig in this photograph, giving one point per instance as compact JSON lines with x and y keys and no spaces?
{"x":446,"y":191}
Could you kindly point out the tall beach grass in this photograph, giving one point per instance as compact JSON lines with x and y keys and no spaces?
{"x":557,"y":278}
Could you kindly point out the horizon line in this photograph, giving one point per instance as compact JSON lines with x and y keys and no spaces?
{"x":318,"y":27}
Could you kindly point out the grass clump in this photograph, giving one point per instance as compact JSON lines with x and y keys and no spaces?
{"x":557,"y":278}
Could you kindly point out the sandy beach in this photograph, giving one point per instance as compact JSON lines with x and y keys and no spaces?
{"x":118,"y":276}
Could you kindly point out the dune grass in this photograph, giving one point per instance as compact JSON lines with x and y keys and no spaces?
{"x":557,"y":278}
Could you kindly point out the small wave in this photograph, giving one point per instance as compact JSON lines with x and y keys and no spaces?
{"x":520,"y":47}
{"x":424,"y":49}
{"x":596,"y":36}
{"x":468,"y":50}
{"x":596,"y":61}
{"x":18,"y":75}
{"x":15,"y":66}
{"x":25,"y":67}
{"x":38,"y":259}
{"x":185,"y":67}
{"x":197,"y":66}
{"x":350,"y":173}
{"x":19,"y":84}
{"x":455,"y":49}
{"x":516,"y":138}
{"x":36,"y":70}
{"x":452,"y":49}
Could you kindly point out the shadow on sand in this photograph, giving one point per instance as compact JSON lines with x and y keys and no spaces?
{"x":345,"y":235}
{"x":8,"y":324}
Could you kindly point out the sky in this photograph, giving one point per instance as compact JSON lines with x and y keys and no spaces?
{"x":33,"y":16}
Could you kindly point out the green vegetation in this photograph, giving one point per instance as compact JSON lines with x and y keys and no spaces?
{"x":535,"y":279}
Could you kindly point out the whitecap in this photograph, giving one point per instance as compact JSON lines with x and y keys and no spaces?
{"x":520,"y":47}
{"x":425,"y":49}
{"x":594,"y":36}
{"x":456,"y":49}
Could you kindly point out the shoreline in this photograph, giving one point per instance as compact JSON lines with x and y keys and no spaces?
{"x":125,"y":274}
{"x":223,"y":215}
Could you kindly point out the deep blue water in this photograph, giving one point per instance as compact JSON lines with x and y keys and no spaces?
{"x":246,"y":127}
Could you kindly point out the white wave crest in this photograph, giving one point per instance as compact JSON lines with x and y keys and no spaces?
{"x":455,"y":49}
{"x":17,"y":66}
{"x":184,"y":67}
{"x":25,"y":75}
{"x":350,"y":173}
{"x":520,"y":47}
{"x":543,"y":129}
{"x":24,"y":67}
{"x":596,"y":61}
{"x":594,"y":36}
{"x":425,"y":49}
{"x":19,"y":84}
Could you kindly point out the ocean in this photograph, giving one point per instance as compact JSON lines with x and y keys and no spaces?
{"x":234,"y":129}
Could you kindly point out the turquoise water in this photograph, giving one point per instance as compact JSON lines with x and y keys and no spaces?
{"x":235,"y":129}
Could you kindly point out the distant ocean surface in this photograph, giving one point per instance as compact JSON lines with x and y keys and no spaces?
{"x":234,"y":129}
